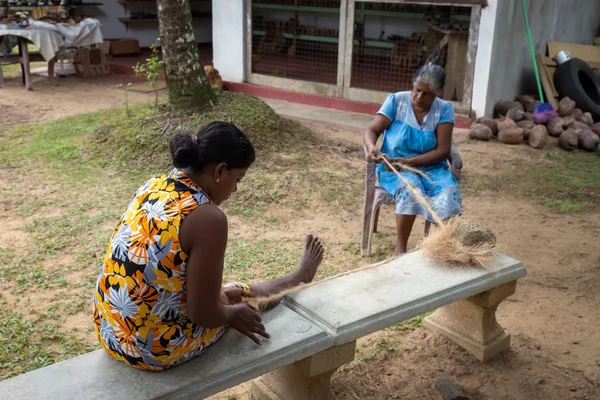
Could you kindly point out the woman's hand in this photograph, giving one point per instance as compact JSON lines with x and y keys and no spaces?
{"x":234,"y":295}
{"x":396,"y":162}
{"x":247,"y":321}
{"x":374,"y":155}
{"x":375,"y":128}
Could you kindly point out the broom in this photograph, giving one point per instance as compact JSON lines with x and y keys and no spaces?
{"x":544,"y":111}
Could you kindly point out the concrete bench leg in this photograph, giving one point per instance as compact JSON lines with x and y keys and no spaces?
{"x":307,"y":379}
{"x":472,"y":324}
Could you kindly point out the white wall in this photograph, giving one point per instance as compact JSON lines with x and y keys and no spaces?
{"x":228,"y":39}
{"x":145,"y":32}
{"x":483,"y":60}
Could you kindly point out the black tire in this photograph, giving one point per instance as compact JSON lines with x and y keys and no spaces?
{"x":578,"y":81}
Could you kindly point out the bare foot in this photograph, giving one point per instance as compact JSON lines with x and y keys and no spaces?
{"x":312,"y":255}
{"x":399,"y":250}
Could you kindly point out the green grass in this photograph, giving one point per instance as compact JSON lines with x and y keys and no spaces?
{"x":415,"y":322}
{"x":142,"y":138}
{"x":28,"y":344}
{"x":80,"y":174}
{"x":565,"y":206}
{"x":473,"y":186}
{"x":259,"y":260}
{"x":387,"y":341}
{"x":7,"y":68}
{"x":567,"y":182}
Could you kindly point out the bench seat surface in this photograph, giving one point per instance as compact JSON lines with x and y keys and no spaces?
{"x":234,"y":359}
{"x":355,"y":305}
{"x":329,"y":314}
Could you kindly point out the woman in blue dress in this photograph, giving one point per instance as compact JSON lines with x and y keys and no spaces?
{"x":417,"y":127}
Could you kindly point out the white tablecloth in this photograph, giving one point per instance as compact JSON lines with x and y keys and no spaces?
{"x":50,"y":38}
{"x":49,"y":42}
{"x":86,"y":33}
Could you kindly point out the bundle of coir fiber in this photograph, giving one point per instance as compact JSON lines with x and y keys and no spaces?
{"x":456,"y":241}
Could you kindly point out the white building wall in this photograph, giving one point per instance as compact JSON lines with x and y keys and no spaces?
{"x":228,"y":28}
{"x":483,"y":60}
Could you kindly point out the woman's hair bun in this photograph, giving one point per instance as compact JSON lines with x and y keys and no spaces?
{"x":216,"y":142}
{"x":183,"y":150}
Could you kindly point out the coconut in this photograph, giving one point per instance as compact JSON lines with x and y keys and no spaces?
{"x":503,"y":106}
{"x":579,"y":125}
{"x":511,"y":135}
{"x":490,"y":123}
{"x":529,"y":102}
{"x":515,"y":114}
{"x":586,"y":118}
{"x":538,"y":136}
{"x":506,"y":123}
{"x":569,"y":139}
{"x":480,"y":132}
{"x":526,"y":126}
{"x":566,"y":107}
{"x":596,"y":128}
{"x":568,"y":119}
{"x":588,"y":140}
{"x":555,"y":126}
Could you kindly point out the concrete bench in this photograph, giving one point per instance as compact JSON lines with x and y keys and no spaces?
{"x":313,"y":333}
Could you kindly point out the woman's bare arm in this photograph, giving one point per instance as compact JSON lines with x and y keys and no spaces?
{"x":379,"y":124}
{"x":204,"y":239}
{"x":443,"y":134}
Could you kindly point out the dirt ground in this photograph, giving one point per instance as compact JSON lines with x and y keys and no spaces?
{"x":553,"y":317}
{"x":73,"y":95}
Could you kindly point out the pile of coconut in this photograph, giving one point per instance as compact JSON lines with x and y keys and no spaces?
{"x":516,"y":123}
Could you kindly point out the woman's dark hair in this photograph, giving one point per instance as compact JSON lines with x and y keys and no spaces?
{"x":215,"y":143}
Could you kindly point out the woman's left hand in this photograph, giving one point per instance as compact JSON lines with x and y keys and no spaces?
{"x":234,"y":295}
{"x":396,"y":162}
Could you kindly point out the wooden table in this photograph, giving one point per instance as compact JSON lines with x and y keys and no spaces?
{"x":24,"y":58}
{"x":458,"y":44}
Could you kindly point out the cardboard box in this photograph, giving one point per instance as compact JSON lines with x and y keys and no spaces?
{"x":106,"y":47}
{"x":117,"y":47}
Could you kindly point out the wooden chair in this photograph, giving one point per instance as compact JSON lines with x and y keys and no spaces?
{"x":375,"y":197}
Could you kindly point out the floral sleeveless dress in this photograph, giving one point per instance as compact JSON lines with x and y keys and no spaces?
{"x":140,"y":300}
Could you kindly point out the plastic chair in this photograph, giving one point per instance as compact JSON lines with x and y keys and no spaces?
{"x":375,"y":197}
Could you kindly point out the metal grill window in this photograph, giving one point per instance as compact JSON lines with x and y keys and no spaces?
{"x":391,"y":41}
{"x":299,"y":40}
{"x":296,"y":39}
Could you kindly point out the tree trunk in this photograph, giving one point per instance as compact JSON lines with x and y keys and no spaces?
{"x":188,"y":85}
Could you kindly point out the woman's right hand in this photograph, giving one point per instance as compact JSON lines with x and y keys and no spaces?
{"x":374,"y":155}
{"x":247,"y":321}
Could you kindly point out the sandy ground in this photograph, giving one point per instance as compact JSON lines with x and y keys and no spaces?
{"x":553,"y":317}
{"x":73,"y":95}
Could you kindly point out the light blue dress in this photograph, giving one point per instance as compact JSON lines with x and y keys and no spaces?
{"x":407,"y":138}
